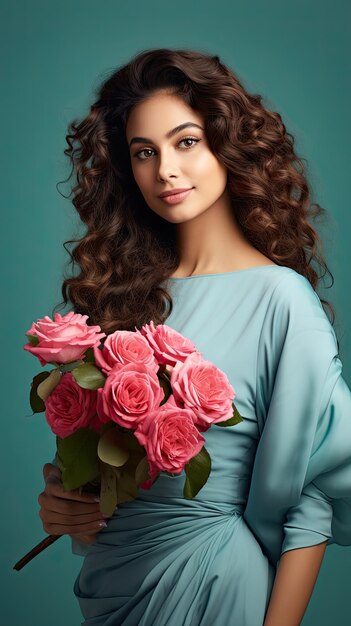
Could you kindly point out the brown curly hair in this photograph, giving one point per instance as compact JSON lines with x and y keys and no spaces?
{"x":128,"y":251}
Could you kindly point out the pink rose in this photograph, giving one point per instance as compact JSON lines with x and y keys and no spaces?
{"x":124,"y":346}
{"x":130,"y":392}
{"x":201,"y":386}
{"x":96,"y":423}
{"x":64,"y":340}
{"x":170,"y":437}
{"x":168,"y":345}
{"x":69,"y":406}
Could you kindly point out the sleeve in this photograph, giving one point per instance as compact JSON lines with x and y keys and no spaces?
{"x":300,"y":491}
{"x":78,"y":547}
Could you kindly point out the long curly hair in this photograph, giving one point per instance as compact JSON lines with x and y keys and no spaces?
{"x":128,"y":251}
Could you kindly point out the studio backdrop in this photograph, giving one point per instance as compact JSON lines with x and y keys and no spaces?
{"x":54,"y":54}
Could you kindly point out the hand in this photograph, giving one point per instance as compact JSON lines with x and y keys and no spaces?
{"x":68,"y":512}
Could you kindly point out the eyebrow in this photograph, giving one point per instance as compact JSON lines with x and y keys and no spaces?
{"x":170,"y":133}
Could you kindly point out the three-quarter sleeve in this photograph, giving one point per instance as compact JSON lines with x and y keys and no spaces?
{"x":300,"y":491}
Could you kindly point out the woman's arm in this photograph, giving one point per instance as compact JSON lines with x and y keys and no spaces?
{"x":293,"y":585}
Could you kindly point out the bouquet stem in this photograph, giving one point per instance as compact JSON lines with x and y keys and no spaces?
{"x":34,"y":551}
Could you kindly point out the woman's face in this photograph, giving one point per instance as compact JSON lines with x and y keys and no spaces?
{"x":184,"y":160}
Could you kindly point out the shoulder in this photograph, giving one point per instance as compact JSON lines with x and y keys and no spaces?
{"x":296,"y":339}
{"x":295,"y":309}
{"x":293,"y":294}
{"x":288,"y":280}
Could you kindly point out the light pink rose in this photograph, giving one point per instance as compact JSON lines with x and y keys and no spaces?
{"x":130,"y":392}
{"x":63,"y":340}
{"x":124,"y":346}
{"x":169,"y":437}
{"x":69,"y":406}
{"x":201,"y":386}
{"x":168,"y":344}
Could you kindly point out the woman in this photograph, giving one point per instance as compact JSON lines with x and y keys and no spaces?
{"x":232,"y":255}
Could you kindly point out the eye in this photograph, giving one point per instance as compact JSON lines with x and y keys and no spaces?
{"x":190,"y":139}
{"x":136,"y":155}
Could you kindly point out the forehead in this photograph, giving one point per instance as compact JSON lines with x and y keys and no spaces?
{"x":159,"y":113}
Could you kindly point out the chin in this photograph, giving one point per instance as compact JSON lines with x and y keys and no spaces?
{"x":178,"y":216}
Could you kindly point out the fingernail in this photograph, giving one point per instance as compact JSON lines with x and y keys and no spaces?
{"x":97,"y":499}
{"x":102,"y":524}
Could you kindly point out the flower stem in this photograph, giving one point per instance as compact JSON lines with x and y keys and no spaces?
{"x":36,"y":550}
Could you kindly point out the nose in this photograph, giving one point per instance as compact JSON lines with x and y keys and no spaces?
{"x":167,"y":166}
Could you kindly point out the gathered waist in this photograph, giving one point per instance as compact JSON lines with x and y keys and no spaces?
{"x":211,"y":506}
{"x":225,"y":489}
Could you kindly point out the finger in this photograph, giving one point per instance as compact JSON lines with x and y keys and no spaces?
{"x":63,"y":529}
{"x":56,"y":489}
{"x":49,"y":468}
{"x":69,"y":518}
{"x":49,"y":500}
{"x":52,"y":476}
{"x":88,"y":539}
{"x":53,"y":479}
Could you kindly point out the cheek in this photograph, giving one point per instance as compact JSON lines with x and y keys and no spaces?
{"x":207,"y":165}
{"x":141,"y":179}
{"x":220,"y":172}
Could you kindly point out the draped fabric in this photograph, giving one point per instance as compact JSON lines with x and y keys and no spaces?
{"x":280,"y":480}
{"x":301,"y":481}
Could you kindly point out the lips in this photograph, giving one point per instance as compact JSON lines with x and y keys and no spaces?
{"x":176,"y":198}
{"x":172,"y":192}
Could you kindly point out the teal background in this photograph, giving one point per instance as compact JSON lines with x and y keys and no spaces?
{"x":54,"y":54}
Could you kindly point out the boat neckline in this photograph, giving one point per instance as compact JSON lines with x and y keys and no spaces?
{"x":247,"y":269}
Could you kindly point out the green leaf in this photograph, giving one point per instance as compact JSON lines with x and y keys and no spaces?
{"x":33,"y":339}
{"x":36,"y":403}
{"x":197,"y":472}
{"x":108,"y":491}
{"x":88,"y":376}
{"x":110,"y":448}
{"x":133,"y":461}
{"x":107,"y":426}
{"x":236,"y":419}
{"x":126,"y":487}
{"x":142,"y":471}
{"x":48,"y":385}
{"x":89,"y":356}
{"x":164,"y":381}
{"x":130,"y":441}
{"x":68,"y":367}
{"x":78,"y":459}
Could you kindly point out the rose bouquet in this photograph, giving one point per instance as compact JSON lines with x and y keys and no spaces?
{"x":125,"y":407}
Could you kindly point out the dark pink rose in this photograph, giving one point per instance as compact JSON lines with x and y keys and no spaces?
{"x":169,"y":437}
{"x":130,"y":392}
{"x":96,"y":423}
{"x":69,"y":406}
{"x":63,"y":340}
{"x":201,"y":386}
{"x":124,"y":346}
{"x":168,"y":344}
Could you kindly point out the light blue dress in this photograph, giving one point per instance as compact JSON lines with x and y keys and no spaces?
{"x":281,"y":479}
